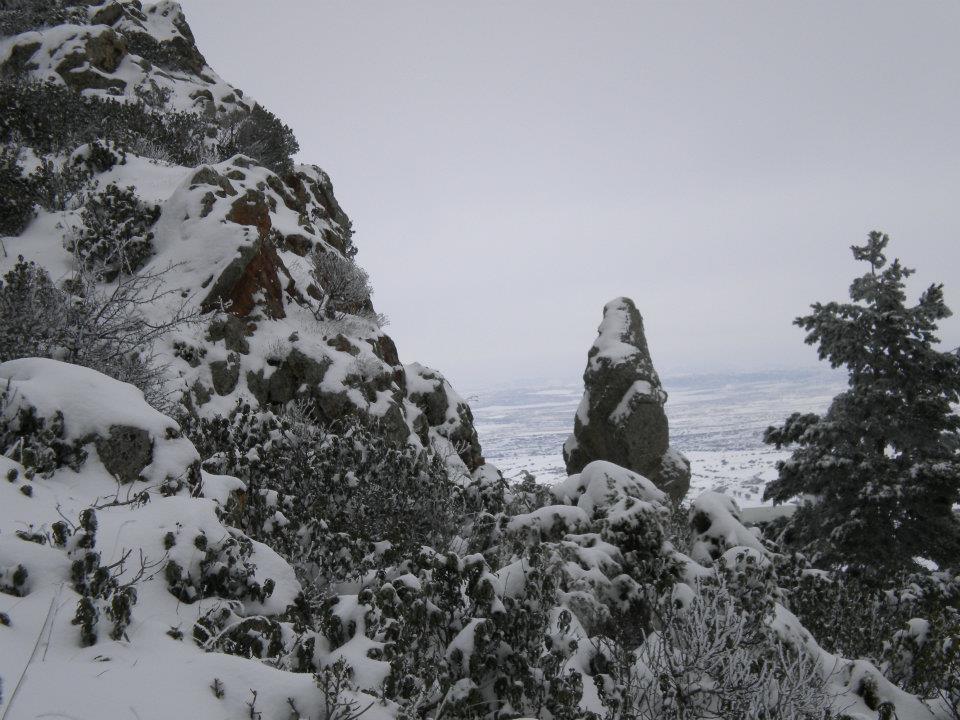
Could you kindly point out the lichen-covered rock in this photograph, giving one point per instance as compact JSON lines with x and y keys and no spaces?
{"x":621,"y":417}
{"x":225,"y":374}
{"x":125,"y":452}
{"x":293,"y":372}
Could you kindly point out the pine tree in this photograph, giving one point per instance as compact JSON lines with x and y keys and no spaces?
{"x":882,"y":464}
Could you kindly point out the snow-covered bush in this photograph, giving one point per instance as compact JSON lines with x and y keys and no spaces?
{"x":52,"y":118}
{"x":104,"y":328}
{"x":100,"y":155}
{"x":35,"y":443}
{"x":13,"y":580}
{"x":908,"y":625}
{"x":224,"y":570}
{"x":16,"y":193}
{"x":101,"y":593}
{"x":923,"y":658}
{"x":59,"y":184}
{"x":115,"y":234}
{"x":326,"y":499}
{"x":711,"y":658}
{"x":344,"y":286}
{"x":19,"y":16}
{"x":258,"y":134}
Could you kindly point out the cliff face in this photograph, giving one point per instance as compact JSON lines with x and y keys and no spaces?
{"x":235,"y":240}
{"x":621,"y":417}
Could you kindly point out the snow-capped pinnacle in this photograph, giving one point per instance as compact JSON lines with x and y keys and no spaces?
{"x":621,"y":417}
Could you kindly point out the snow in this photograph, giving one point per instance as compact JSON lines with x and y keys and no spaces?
{"x":602,"y":483}
{"x":724,"y":529}
{"x":46,"y":672}
{"x":150,"y":674}
{"x":609,"y":345}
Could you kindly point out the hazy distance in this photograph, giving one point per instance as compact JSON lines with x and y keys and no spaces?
{"x":510,"y":167}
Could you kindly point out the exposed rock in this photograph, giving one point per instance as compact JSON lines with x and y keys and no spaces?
{"x":18,"y":62}
{"x":225,"y":374}
{"x":89,"y":67}
{"x":341,"y":343}
{"x":256,"y":271}
{"x":446,"y":412}
{"x":299,"y":244}
{"x":108,"y":14}
{"x":125,"y":452}
{"x":232,"y":330}
{"x":208,"y":176}
{"x":385,"y":349}
{"x":296,"y":370}
{"x":621,"y":417}
{"x":106,"y":50}
{"x":251,"y":209}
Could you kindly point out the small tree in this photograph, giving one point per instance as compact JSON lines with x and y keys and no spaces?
{"x":881,"y":465}
{"x":16,"y":193}
{"x":260,"y":135}
{"x":343,"y":285}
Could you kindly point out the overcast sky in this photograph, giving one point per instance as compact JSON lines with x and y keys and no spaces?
{"x":511,"y":166}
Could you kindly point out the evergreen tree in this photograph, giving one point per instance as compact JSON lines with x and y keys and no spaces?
{"x":882,"y":464}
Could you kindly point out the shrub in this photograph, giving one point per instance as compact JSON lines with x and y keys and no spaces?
{"x":258,"y":134}
{"x":343,"y":286}
{"x":224,"y":571}
{"x":16,"y":193}
{"x":13,"y":580}
{"x":709,"y":658}
{"x":99,"y":587}
{"x":322,"y":497}
{"x":115,"y":235}
{"x":101,"y":156}
{"x":51,"y":118}
{"x":57,"y":185}
{"x":908,"y":625}
{"x":99,"y":327}
{"x":36,"y":444}
{"x":19,"y":16}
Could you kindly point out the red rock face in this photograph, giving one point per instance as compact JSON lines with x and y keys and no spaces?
{"x":257,"y":270}
{"x":251,"y":209}
{"x":260,"y":275}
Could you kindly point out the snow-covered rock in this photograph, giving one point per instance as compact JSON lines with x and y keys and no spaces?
{"x":621,"y":416}
{"x":131,"y":440}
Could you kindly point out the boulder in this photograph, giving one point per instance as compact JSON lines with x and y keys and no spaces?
{"x":621,"y":417}
{"x":125,"y":452}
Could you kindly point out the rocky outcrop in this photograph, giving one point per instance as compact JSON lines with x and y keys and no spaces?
{"x":238,"y":240}
{"x":621,"y":417}
{"x":447,"y":414}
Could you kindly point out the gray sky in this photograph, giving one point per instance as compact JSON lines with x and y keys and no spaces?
{"x":511,"y":166}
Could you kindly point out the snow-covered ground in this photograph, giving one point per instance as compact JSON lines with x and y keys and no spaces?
{"x":717,"y":420}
